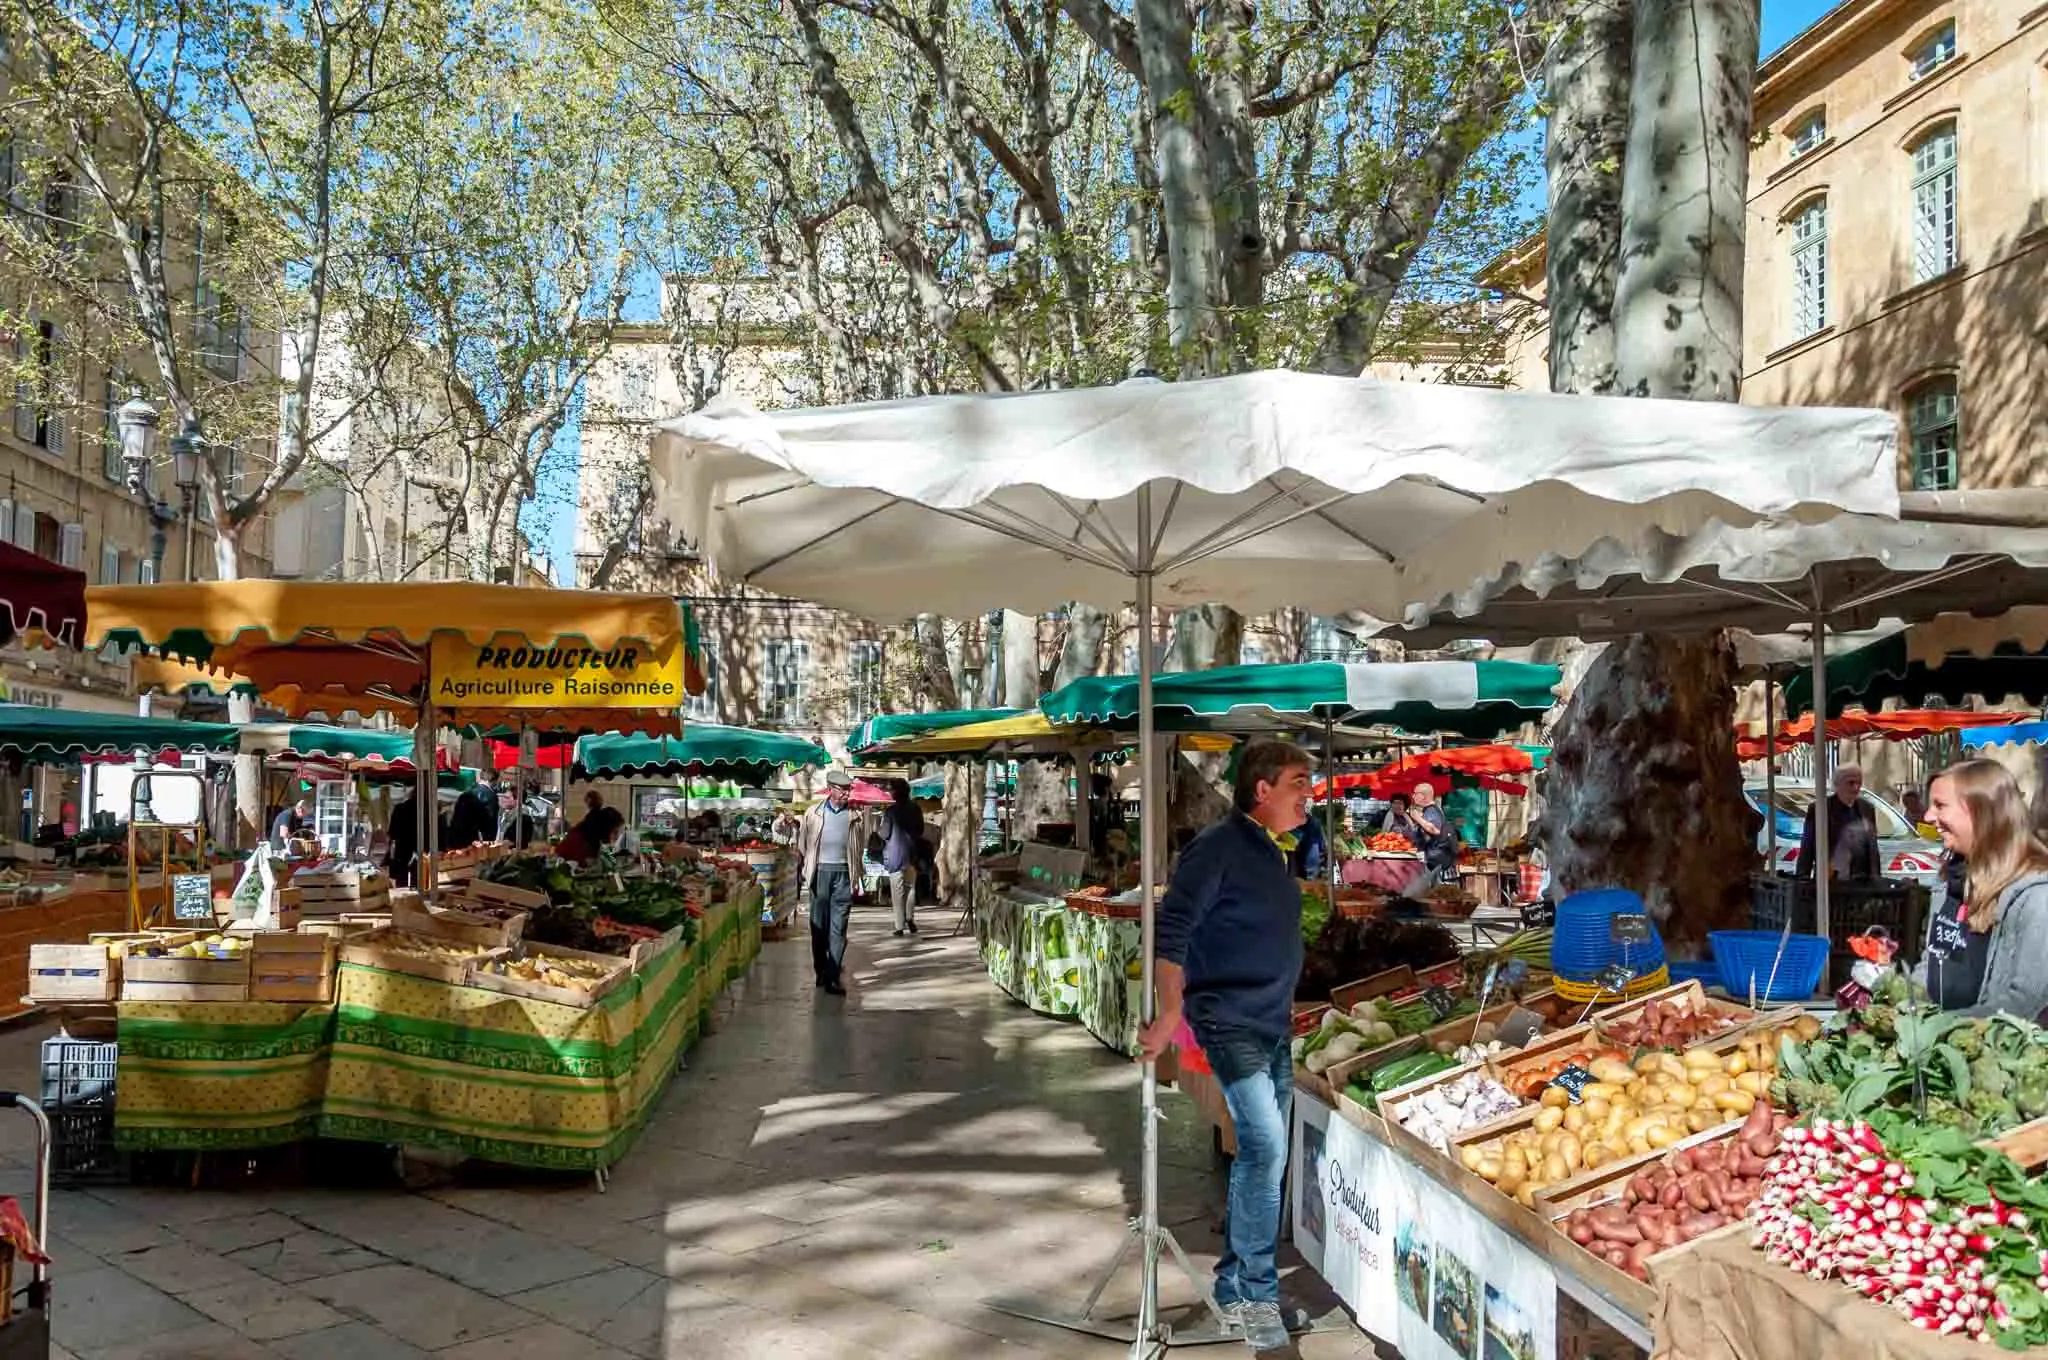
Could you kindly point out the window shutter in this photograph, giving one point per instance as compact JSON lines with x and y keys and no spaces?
{"x":71,"y":547}
{"x":6,"y":521}
{"x":110,"y":566}
{"x":145,"y":571}
{"x":24,"y":393}
{"x":24,"y":527}
{"x":57,"y":400}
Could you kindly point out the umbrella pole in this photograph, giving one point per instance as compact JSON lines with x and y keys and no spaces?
{"x":1823,"y":862}
{"x":1770,"y":772}
{"x":1149,"y":796}
{"x":423,"y":792}
{"x":1330,"y":804}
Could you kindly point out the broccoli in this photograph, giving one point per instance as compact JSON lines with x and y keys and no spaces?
{"x":1967,"y":1040}
{"x":1989,"y":1075}
{"x":1993,"y":1113}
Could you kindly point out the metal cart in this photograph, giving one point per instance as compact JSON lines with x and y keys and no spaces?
{"x":25,"y":1335}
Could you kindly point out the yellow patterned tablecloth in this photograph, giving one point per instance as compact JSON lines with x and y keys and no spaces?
{"x":403,"y":1059}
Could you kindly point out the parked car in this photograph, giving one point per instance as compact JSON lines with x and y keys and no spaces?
{"x":1902,"y":851}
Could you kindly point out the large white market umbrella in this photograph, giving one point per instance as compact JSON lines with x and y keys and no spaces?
{"x":1255,"y":491}
{"x":1970,"y":561}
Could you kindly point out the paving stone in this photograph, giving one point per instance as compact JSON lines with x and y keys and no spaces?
{"x":181,"y":1268}
{"x":207,"y":1341}
{"x":305,"y":1254}
{"x":102,"y":1307}
{"x":538,"y":1341}
{"x":266,"y":1310}
{"x":421,"y":1309}
{"x":349,"y":1341}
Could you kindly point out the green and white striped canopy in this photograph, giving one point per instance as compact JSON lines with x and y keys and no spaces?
{"x":704,"y":748}
{"x":1470,"y":698}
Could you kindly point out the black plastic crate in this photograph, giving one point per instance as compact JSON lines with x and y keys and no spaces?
{"x":1899,"y":906}
{"x":78,"y":1071}
{"x":82,"y":1145}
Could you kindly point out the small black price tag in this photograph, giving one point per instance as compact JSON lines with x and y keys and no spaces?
{"x":1538,"y":914}
{"x":1572,"y":1081}
{"x":1440,"y":1001}
{"x":1629,"y":928}
{"x":1615,"y":978}
{"x":1948,"y":937}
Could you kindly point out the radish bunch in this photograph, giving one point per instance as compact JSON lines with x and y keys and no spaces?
{"x":1836,"y":1205}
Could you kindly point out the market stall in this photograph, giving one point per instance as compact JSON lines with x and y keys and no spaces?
{"x":1179,"y":494}
{"x":586,"y":979}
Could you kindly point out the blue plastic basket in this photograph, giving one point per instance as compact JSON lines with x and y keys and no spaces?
{"x":1693,"y":970}
{"x":1582,"y":944}
{"x":1743,"y":954}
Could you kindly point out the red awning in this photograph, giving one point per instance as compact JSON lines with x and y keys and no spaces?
{"x":1901,"y":725}
{"x":1485,"y":763}
{"x":39,"y":600}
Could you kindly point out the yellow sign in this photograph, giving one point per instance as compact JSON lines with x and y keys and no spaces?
{"x":510,"y":673}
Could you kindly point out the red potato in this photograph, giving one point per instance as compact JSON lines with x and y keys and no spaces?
{"x":1613,"y":1225}
{"x":1639,"y":1259}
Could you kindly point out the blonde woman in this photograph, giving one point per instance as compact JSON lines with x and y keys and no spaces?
{"x":1987,"y":939}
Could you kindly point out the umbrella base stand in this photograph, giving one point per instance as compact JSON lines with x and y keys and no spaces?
{"x":1209,"y":1329}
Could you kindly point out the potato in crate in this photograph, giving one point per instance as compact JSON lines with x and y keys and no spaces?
{"x":213,"y":969}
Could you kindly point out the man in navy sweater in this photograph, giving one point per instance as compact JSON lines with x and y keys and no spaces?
{"x":1229,"y":955}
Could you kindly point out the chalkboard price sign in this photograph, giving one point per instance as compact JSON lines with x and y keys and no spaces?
{"x":1948,"y":937}
{"x":1538,"y":914}
{"x":1572,"y":1081}
{"x":192,"y":897}
{"x":1629,"y":928}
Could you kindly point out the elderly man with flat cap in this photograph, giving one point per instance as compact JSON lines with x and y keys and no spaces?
{"x":829,"y":844}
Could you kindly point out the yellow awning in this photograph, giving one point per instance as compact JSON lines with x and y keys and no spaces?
{"x":310,"y":646}
{"x":1028,"y":734}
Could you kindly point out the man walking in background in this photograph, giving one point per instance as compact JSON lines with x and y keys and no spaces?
{"x":1229,"y":956}
{"x":828,"y":854}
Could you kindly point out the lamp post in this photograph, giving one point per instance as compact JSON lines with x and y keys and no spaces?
{"x":188,"y":446}
{"x":137,"y":421}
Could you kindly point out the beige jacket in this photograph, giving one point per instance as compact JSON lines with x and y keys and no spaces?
{"x":812,"y":833}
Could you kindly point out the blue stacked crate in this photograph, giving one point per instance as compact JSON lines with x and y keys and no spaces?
{"x":78,"y":1097}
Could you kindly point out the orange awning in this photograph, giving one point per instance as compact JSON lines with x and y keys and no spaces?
{"x":1900,"y":725}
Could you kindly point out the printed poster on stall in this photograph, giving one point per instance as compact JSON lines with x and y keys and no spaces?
{"x":1416,"y":1265}
{"x":510,"y":673}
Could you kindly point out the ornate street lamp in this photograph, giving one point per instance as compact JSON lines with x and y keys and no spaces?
{"x":137,"y":422}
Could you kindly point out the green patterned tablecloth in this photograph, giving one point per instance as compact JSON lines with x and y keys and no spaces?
{"x":1062,"y":962}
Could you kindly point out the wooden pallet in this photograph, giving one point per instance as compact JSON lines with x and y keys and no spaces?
{"x":73,"y":972}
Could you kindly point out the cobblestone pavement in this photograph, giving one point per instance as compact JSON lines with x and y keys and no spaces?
{"x":832,"y":1177}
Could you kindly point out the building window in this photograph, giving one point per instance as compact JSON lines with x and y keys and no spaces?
{"x":1328,"y":642}
{"x":785,"y":675}
{"x":1937,"y":50}
{"x":1809,"y":132}
{"x":1934,"y":204}
{"x":636,"y":387}
{"x":863,"y":680}
{"x":704,"y":707}
{"x":110,"y":566}
{"x":219,"y":330}
{"x":37,"y":419}
{"x":1934,"y":423}
{"x":1810,"y":268}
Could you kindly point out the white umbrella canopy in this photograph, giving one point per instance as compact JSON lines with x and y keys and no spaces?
{"x":1027,"y":501}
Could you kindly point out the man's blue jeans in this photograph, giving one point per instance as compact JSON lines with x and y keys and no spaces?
{"x":831,"y":902}
{"x":1258,"y":1087}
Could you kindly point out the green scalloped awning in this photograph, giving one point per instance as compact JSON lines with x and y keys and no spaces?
{"x":885,"y":726}
{"x":1471,"y":698}
{"x":1884,"y":670}
{"x":57,"y":735}
{"x":348,"y":743}
{"x":704,"y":748}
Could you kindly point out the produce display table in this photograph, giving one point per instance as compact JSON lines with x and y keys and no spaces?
{"x":404,"y":1059}
{"x":1063,"y":961}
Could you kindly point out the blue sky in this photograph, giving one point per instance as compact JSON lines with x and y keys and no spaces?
{"x":551,"y":521}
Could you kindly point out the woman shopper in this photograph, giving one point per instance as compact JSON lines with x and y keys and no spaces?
{"x":1987,"y":938}
{"x":902,"y":825}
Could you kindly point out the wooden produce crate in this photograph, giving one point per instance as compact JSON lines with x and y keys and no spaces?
{"x":646,"y":953}
{"x":2027,"y":1144}
{"x":378,"y":949}
{"x":284,"y":966}
{"x":360,"y":921}
{"x":487,"y":977}
{"x":338,"y":891}
{"x":1372,"y":988}
{"x":339,"y":927}
{"x":1688,"y":996}
{"x":149,"y":979}
{"x":485,"y":932}
{"x":73,"y":972}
